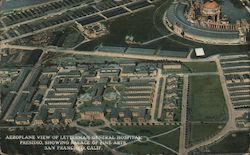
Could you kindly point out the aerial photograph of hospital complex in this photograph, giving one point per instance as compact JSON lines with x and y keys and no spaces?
{"x":124,"y":77}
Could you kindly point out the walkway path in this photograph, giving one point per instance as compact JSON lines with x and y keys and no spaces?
{"x":161,"y":98}
{"x":105,"y":54}
{"x":149,"y":139}
{"x":165,"y":133}
{"x":158,"y":76}
{"x":163,"y":146}
{"x":183,"y":130}
{"x":157,"y":39}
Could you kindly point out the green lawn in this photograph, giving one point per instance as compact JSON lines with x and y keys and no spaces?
{"x":120,"y":27}
{"x":144,"y":130}
{"x":72,"y":38}
{"x":194,"y":67}
{"x":201,"y":132}
{"x":238,"y":142}
{"x":206,"y":99}
{"x":170,"y":140}
{"x":201,"y":66}
{"x":158,"y":100}
{"x":90,"y":123}
{"x":145,"y":148}
{"x":4,"y":89}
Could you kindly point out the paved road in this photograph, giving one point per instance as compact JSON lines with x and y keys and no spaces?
{"x":247,"y":7}
{"x":182,"y":141}
{"x":106,"y":54}
{"x":154,"y":103}
{"x":161,"y":97}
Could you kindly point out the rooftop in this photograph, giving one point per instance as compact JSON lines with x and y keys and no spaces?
{"x":211,"y":4}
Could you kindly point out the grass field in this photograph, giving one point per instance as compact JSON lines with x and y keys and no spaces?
{"x":238,"y":142}
{"x":90,"y":123}
{"x":145,"y":148}
{"x":206,"y":99}
{"x":170,"y":140}
{"x":195,"y":67}
{"x":143,"y":26}
{"x":201,"y":66}
{"x":144,"y":130}
{"x":120,"y":27}
{"x":201,"y":132}
{"x":72,"y":38}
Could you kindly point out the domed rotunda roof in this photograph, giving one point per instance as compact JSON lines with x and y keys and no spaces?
{"x":211,"y":4}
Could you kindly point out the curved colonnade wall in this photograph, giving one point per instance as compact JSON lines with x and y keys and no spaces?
{"x":176,"y":21}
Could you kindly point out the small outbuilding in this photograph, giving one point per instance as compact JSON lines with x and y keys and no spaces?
{"x":199,"y":52}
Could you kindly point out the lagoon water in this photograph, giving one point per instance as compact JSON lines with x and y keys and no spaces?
{"x":234,"y":12}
